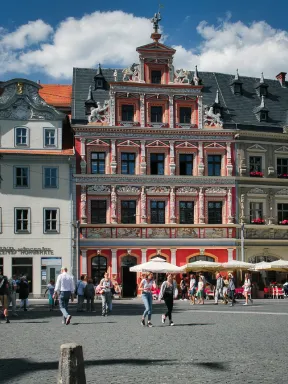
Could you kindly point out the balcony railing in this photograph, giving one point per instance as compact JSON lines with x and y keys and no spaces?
{"x":157,"y":231}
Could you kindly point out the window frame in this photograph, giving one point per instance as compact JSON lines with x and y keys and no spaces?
{"x":51,"y":231}
{"x":220,"y":163}
{"x":281,"y":158}
{"x":15,"y":177}
{"x":44,"y":177}
{"x":97,"y":208}
{"x":193,"y":211}
{"x":162,"y":114}
{"x":47,"y":129}
{"x":252,"y":216}
{"x":123,"y":106}
{"x":28,"y":231}
{"x":192,"y":163}
{"x":98,"y":160}
{"x":190,"y":114}
{"x":151,"y":76}
{"x":214,"y":209}
{"x":164,"y":209}
{"x":157,"y":162}
{"x":27,"y":137}
{"x":129,"y":209}
{"x":261,"y":163}
{"x":283,"y":218}
{"x":128,"y":161}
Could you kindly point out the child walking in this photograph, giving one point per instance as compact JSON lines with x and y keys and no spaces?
{"x":51,"y":289}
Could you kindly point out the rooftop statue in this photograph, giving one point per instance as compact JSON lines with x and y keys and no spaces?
{"x":99,"y":114}
{"x":155,"y":20}
{"x":211,"y":118}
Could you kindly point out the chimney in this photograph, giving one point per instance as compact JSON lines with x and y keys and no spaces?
{"x":281,"y":78}
{"x":38,"y":82}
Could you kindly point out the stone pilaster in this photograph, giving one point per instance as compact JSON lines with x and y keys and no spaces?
{"x":242,"y":208}
{"x":172,"y":206}
{"x":143,"y":158}
{"x":83,"y":162}
{"x":142,"y":110}
{"x":114,"y":261}
{"x":230,"y":254}
{"x":113,"y":205}
{"x":229,"y":162}
{"x":113,"y":157}
{"x":201,"y":206}
{"x":83,"y":204}
{"x":201,"y":161}
{"x":173,"y":256}
{"x":84,"y":261}
{"x":143,"y":206}
{"x":141,"y":72}
{"x":171,"y":111}
{"x":172,"y":158}
{"x":143,"y":256}
{"x":229,"y":206}
{"x":112,"y":108}
{"x":200,"y":112}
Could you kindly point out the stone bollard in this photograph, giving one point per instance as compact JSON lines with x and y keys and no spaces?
{"x":71,"y":365}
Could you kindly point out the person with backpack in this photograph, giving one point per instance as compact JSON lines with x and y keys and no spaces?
{"x":183,"y":287}
{"x":167,"y":294}
{"x":218,"y":288}
{"x":4,"y":296}
{"x":89,"y":293}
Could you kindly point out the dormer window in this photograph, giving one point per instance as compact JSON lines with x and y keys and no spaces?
{"x":99,"y":80}
{"x":99,"y":84}
{"x":237,"y":89}
{"x":263,"y":91}
{"x":156,"y":77}
{"x":263,"y":115}
{"x":236,"y":84}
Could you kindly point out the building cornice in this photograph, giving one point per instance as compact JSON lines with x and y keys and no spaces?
{"x":159,"y":88}
{"x":260,"y":136}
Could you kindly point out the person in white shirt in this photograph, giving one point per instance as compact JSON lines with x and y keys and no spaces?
{"x":64,"y":289}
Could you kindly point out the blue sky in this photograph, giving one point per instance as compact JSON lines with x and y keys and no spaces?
{"x":250,"y":35}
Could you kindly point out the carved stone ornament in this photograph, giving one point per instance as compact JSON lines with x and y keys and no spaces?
{"x":256,"y":191}
{"x":186,"y":191}
{"x":127,"y":189}
{"x":187,"y":233}
{"x":282,"y":192}
{"x":181,"y":76}
{"x":100,"y":114}
{"x":211,"y":119}
{"x":158,"y":233}
{"x":215,"y":191}
{"x":132,"y":73}
{"x":157,"y":190}
{"x":98,"y":189}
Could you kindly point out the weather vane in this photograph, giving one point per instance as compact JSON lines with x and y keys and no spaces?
{"x":155,"y":20}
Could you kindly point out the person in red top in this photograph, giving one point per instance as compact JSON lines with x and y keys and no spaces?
{"x":4,"y":294}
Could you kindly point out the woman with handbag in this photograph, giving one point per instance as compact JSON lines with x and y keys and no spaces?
{"x":146,"y":286}
{"x":247,"y":289}
{"x":167,"y":294}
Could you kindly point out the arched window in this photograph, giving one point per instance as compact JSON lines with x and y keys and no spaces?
{"x":21,"y":136}
{"x":202,"y":258}
{"x":160,"y":256}
{"x":98,"y":267}
{"x":259,"y":259}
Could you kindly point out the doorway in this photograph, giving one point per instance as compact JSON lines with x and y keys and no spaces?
{"x":129,"y":279}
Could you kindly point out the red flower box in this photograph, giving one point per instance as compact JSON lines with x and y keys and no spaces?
{"x":283,"y":176}
{"x":256,"y":174}
{"x":258,"y":221}
{"x":284,"y":222}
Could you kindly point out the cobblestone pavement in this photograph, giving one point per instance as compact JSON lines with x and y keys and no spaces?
{"x":209,"y":344}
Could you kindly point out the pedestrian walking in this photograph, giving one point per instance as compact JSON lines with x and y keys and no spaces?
{"x":225,"y":289}
{"x":200,"y":291}
{"x":64,"y":289}
{"x":24,"y":292}
{"x":167,"y":294}
{"x":146,"y":286}
{"x":51,"y":289}
{"x":89,"y":293}
{"x":79,"y":292}
{"x":192,"y":289}
{"x":12,"y":294}
{"x":105,"y":287}
{"x":4,"y":296}
{"x":183,"y":286}
{"x":231,"y":289}
{"x":247,"y":289}
{"x":218,"y":288}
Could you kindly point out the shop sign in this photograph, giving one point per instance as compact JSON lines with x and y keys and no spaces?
{"x":54,"y":261}
{"x":26,"y":251}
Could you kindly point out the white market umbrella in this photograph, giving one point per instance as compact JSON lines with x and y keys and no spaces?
{"x":156,"y":265}
{"x":234,"y":265}
{"x":202,"y":266}
{"x":281,"y":264}
{"x":262,"y":266}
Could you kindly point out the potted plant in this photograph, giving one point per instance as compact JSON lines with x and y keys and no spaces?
{"x":258,"y":221}
{"x":283,"y":176}
{"x":284,"y":222}
{"x":256,"y":174}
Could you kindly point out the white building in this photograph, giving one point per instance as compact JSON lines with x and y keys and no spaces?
{"x":36,"y":205}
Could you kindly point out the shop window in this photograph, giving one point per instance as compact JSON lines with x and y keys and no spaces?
{"x":282,"y":166}
{"x":127,"y":113}
{"x":50,"y":177}
{"x":98,"y":162}
{"x":157,"y":212}
{"x":186,"y":212}
{"x":50,"y":270}
{"x":215,"y":212}
{"x":185,"y":115}
{"x":255,"y":163}
{"x":23,"y":266}
{"x":22,"y":220}
{"x":201,"y":258}
{"x":214,"y":165}
{"x":128,"y":212}
{"x":98,"y":211}
{"x":156,"y":77}
{"x":21,"y":177}
{"x":256,"y":211}
{"x":157,"y":163}
{"x":186,"y":164}
{"x":156,"y":114}
{"x":98,"y":268}
{"x":127,"y":163}
{"x":51,"y":220}
{"x":282,"y":210}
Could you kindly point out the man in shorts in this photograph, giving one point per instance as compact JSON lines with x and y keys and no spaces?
{"x":4,"y":296}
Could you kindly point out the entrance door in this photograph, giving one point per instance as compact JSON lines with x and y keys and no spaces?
{"x":129,"y":279}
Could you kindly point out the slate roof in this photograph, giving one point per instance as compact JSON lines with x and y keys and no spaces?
{"x":238,"y":111}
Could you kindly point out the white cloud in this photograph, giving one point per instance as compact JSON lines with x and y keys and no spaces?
{"x":111,"y":38}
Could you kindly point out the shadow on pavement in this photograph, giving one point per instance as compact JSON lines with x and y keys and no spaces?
{"x":12,"y":368}
{"x":213,"y":366}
